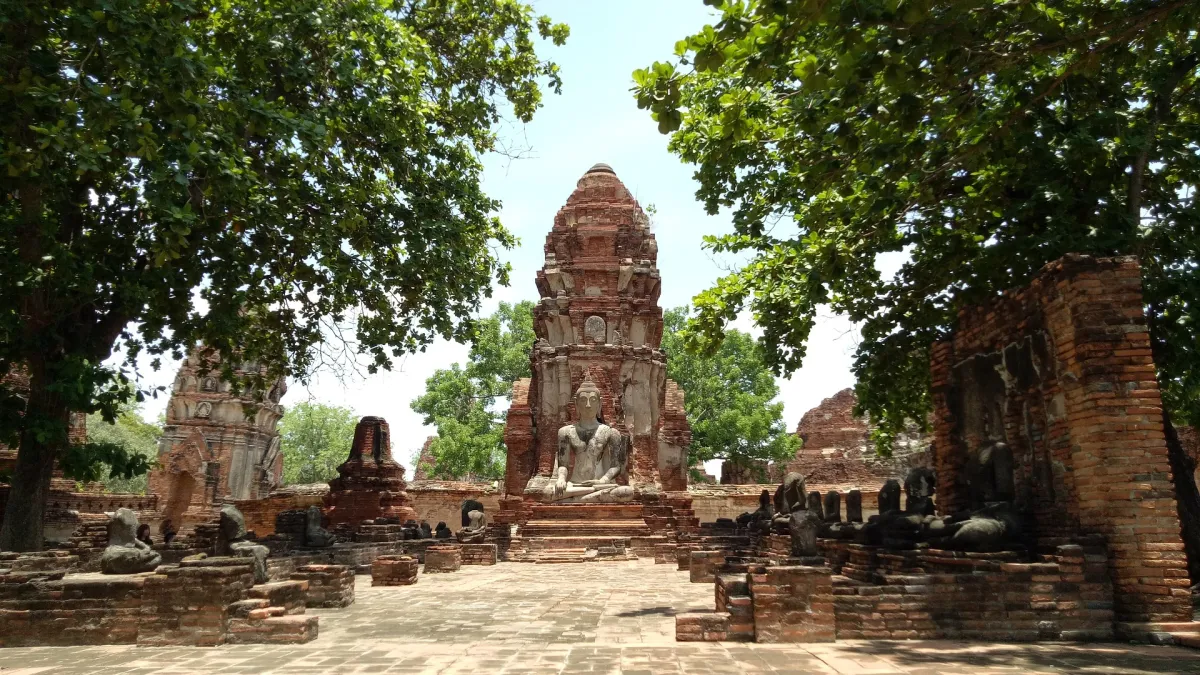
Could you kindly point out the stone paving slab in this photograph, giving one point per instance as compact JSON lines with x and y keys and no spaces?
{"x":568,"y":619}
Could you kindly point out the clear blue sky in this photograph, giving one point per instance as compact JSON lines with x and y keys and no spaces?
{"x":595,"y":119}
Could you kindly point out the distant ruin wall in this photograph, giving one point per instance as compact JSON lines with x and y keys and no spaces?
{"x":837,"y":447}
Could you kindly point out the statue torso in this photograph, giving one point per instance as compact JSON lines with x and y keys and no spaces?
{"x":593,"y":450}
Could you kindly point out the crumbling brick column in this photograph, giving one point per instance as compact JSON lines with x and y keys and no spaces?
{"x":793,"y":604}
{"x":703,"y":565}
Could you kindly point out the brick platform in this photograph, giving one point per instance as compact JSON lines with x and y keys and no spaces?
{"x":196,"y":603}
{"x":443,"y":559}
{"x":784,"y":603}
{"x":394,"y":570}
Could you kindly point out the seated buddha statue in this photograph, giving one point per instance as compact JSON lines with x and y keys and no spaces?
{"x":591,"y":456}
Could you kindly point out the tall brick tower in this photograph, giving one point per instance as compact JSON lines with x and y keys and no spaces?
{"x":599,"y":316}
{"x":211,"y":451}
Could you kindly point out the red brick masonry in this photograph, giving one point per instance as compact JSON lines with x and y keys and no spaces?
{"x":394,"y":570}
{"x":1082,"y":414}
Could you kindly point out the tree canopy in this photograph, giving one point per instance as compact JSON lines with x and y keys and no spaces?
{"x":315,"y":438}
{"x":246,"y":174}
{"x":461,"y":400}
{"x":729,"y":397}
{"x":135,"y":436}
{"x":981,"y":139}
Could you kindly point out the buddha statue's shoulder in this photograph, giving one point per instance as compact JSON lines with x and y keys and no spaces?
{"x":606,"y":432}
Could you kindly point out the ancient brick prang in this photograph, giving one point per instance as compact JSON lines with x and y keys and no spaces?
{"x":211,"y":450}
{"x":425,"y":462}
{"x":599,"y":317}
{"x":370,"y":484}
{"x":837,"y":447}
{"x":1061,"y":372}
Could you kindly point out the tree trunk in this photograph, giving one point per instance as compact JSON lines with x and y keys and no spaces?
{"x":25,"y":510}
{"x":1187,"y":496}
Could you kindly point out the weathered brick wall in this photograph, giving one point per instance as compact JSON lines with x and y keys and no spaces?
{"x":969,"y":597}
{"x":46,"y":609}
{"x":441,"y":501}
{"x":1080,"y":408}
{"x":260,"y":514}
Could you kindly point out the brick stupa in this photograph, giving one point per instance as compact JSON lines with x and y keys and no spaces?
{"x":599,"y":315}
{"x":599,"y":318}
{"x":370,"y":484}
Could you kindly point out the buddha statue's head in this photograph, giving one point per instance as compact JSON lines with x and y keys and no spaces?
{"x":587,"y":401}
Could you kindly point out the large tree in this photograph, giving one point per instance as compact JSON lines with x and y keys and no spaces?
{"x":730,"y":397}
{"x":136,"y":437}
{"x":461,"y":400}
{"x":315,"y":438}
{"x":982,"y":139}
{"x":246,"y":174}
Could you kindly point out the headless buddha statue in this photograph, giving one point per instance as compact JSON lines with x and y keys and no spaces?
{"x":591,"y":456}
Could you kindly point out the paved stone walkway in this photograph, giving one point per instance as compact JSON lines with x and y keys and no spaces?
{"x":565,"y":619}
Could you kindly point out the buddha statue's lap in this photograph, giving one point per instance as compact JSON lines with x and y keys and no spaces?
{"x":591,"y":457}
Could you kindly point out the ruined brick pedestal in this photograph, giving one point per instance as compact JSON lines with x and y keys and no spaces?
{"x":703,"y":565}
{"x":761,"y":603}
{"x":394,"y":570}
{"x":793,"y":604}
{"x":443,"y":559}
{"x":478,"y":554}
{"x":328,"y":585}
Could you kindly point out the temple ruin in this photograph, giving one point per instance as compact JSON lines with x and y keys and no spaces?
{"x":598,"y":327}
{"x":217,"y":445}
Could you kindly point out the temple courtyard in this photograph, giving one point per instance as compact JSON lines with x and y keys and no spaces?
{"x":571,"y":618}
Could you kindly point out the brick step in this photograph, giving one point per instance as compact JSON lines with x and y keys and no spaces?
{"x":612,"y":528}
{"x":574,"y":543}
{"x":290,"y":595}
{"x":589,"y":512}
{"x":293,"y":629}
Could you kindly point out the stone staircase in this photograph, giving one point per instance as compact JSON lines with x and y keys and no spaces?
{"x":579,"y":533}
{"x":273,"y":613}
